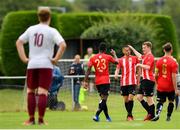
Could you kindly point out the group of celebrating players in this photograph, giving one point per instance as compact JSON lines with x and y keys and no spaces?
{"x":42,"y":38}
{"x":132,"y":69}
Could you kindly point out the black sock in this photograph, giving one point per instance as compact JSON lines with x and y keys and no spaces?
{"x":152,"y":110}
{"x":105,"y":109}
{"x":100,"y":108}
{"x":177,"y":101}
{"x":145,"y":105}
{"x":159,"y":108}
{"x":170,"y":109}
{"x":127,"y":107}
{"x":131,"y":104}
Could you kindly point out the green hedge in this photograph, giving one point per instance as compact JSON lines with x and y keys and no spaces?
{"x":15,"y":23}
{"x":73,"y":25}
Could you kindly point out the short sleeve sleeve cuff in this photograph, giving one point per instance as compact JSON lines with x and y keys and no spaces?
{"x":58,"y":38}
{"x":24,"y":37}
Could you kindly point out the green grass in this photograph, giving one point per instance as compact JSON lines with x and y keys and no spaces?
{"x":12,"y":114}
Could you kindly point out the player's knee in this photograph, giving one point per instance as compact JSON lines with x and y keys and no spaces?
{"x":170,"y":101}
{"x":42,"y":91}
{"x":126,"y":99}
{"x":159,"y":100}
{"x":139,"y":97}
{"x":150,"y":100}
{"x":131,"y":97}
{"x":104,"y":97}
{"x":30,"y":90}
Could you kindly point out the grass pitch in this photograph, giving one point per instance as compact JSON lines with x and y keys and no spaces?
{"x":12,"y":114}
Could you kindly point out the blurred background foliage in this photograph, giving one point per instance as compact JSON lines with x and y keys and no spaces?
{"x":93,"y":25}
{"x":116,"y":29}
{"x":167,"y":7}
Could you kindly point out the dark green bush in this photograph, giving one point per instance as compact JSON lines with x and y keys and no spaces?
{"x":73,"y":25}
{"x":14,"y":25}
{"x":118,"y":34}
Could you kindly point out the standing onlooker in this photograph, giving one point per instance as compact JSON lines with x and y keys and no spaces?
{"x":127,"y":64}
{"x":101,"y":62}
{"x":41,"y":39}
{"x":166,"y":72}
{"x":148,"y":81}
{"x":86,"y":59}
{"x":76,"y":68}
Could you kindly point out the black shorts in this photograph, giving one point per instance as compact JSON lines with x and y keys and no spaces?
{"x":129,"y":89}
{"x":146,"y":87}
{"x":161,"y":96}
{"x":103,"y":89}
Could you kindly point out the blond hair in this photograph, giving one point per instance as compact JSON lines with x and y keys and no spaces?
{"x":148,"y":43}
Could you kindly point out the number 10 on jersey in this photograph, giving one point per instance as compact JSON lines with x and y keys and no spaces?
{"x":38,"y":39}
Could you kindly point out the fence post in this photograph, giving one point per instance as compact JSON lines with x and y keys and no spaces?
{"x":72,"y":91}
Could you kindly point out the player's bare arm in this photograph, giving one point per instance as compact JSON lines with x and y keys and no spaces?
{"x":21,"y":52}
{"x":60,"y":52}
{"x":116,"y":73}
{"x":87,"y":76}
{"x":135,"y":52}
{"x":156,"y":74}
{"x":146,"y":67}
{"x":174,"y":79}
{"x":113,"y":52}
{"x":138,"y":71}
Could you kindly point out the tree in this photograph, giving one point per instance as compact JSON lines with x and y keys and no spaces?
{"x":107,"y":5}
{"x":172,"y":8}
{"x":14,"y":5}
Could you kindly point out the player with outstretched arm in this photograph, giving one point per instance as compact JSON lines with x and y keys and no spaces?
{"x":101,"y":62}
{"x":148,"y":80}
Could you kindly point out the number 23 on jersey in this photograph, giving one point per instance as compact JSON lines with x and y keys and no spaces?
{"x":100,"y":64}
